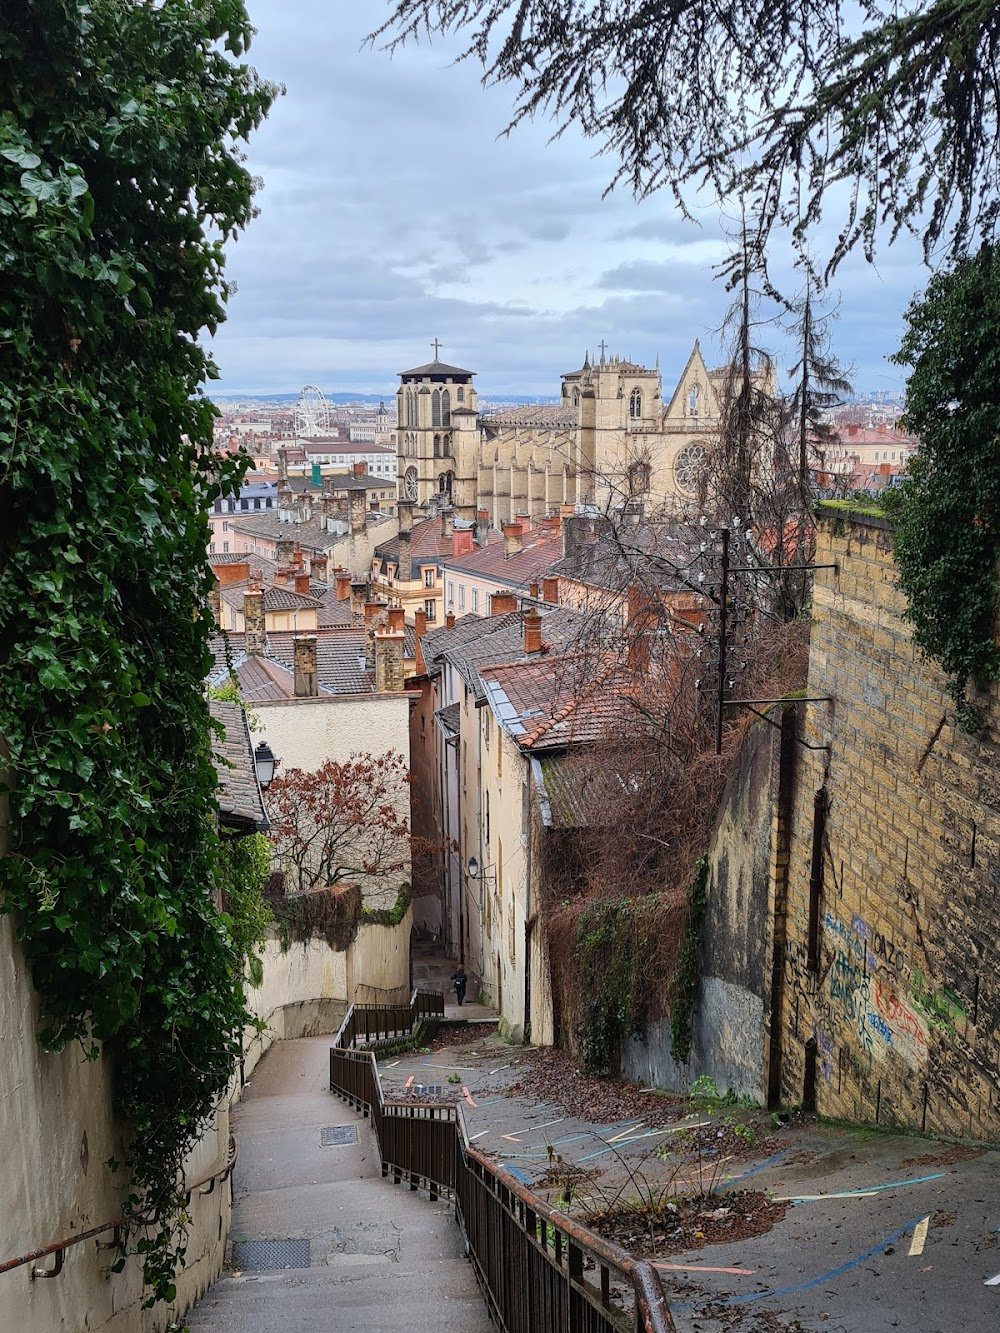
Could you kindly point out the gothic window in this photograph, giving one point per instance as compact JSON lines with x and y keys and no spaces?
{"x":690,"y":467}
{"x":576,"y":397}
{"x":445,"y":482}
{"x":461,"y":395}
{"x":447,"y":444}
{"x":410,"y":484}
{"x":445,"y":408}
{"x":635,"y":404}
{"x":437,"y":446}
{"x":436,"y":408}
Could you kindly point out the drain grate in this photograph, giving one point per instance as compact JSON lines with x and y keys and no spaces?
{"x":426,"y":1090}
{"x":261,"y":1256}
{"x":337,"y":1136}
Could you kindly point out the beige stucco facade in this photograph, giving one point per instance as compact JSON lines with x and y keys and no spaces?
{"x":307,"y":733}
{"x":611,"y":441}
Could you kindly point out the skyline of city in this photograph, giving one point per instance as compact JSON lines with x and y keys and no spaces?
{"x":394,"y":211}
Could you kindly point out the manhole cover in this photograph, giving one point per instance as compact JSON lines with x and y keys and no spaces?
{"x":260,"y":1256}
{"x":335,"y":1136}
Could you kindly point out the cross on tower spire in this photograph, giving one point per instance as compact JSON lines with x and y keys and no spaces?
{"x":437,"y":348}
{"x":604,"y":347}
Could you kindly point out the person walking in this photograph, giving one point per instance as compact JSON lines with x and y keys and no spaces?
{"x":460,"y":981}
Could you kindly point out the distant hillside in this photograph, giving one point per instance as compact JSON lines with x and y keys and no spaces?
{"x":288,"y":399}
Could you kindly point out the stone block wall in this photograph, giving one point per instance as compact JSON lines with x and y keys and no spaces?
{"x":889,"y":993}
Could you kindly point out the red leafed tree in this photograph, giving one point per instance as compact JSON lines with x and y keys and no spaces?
{"x":345,"y":822}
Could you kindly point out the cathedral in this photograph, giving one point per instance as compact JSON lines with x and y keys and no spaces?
{"x":611,"y":441}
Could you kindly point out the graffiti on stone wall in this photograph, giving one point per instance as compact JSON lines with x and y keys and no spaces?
{"x":868,"y":990}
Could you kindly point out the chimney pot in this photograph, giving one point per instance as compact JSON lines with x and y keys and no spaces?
{"x":253,"y":620}
{"x":388,"y":660}
{"x":512,"y":540}
{"x":304,"y":661}
{"x":532,"y":632}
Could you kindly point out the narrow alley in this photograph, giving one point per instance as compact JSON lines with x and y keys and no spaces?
{"x":319,"y":1239}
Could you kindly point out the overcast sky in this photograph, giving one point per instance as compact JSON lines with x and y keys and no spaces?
{"x":393,"y":213}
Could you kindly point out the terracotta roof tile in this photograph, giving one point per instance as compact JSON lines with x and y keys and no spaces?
{"x":540,"y":551}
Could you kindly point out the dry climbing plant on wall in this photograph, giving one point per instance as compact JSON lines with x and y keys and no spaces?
{"x":120,"y":180}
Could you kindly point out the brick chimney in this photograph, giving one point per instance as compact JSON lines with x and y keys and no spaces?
{"x":304,"y":659}
{"x":513,"y":543}
{"x":253,"y":620}
{"x":524,"y":520}
{"x":532,"y":632}
{"x":359,"y":595}
{"x":397,"y":619}
{"x":343,"y":585}
{"x":419,"y":630}
{"x":533,"y":591}
{"x":374,"y":618}
{"x":388,"y":660}
{"x":301,"y":582}
{"x":297,"y":558}
{"x":461,"y":541}
{"x":317,"y":568}
{"x":283,"y":549}
{"x":334,"y":512}
{"x":405,"y":565}
{"x":447,"y":524}
{"x":359,"y":510}
{"x":286,"y":503}
{"x":237,"y":572}
{"x":482,"y":526}
{"x":358,"y":469}
{"x":550,"y":591}
{"x":502,"y":602}
{"x":642,"y":621}
{"x":449,"y":620}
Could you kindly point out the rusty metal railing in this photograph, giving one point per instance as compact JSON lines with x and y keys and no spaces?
{"x":538,"y":1269}
{"x":57,"y":1249}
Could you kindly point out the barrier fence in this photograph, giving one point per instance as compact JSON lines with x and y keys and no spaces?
{"x":540,"y":1271}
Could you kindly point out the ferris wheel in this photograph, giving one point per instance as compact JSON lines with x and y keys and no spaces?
{"x":312,"y":412}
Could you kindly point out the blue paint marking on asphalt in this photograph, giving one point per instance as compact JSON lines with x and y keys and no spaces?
{"x":517,"y":1173}
{"x":803,"y":1286}
{"x":869,"y":1189}
{"x":761,"y":1166}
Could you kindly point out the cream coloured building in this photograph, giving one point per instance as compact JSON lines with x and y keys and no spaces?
{"x":611,"y":441}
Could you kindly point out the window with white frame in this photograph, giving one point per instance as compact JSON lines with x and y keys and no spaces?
{"x":461,"y":597}
{"x":429,"y":578}
{"x":475,"y":599}
{"x":429,"y":606}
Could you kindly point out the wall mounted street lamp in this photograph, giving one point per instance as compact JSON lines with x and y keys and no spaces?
{"x":485,"y":873}
{"x":265,"y":763}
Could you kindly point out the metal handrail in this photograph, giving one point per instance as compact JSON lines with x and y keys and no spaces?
{"x":354,"y":1075}
{"x":59,"y":1247}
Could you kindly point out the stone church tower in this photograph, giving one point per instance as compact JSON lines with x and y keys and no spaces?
{"x":438,"y":437}
{"x":610,"y":441}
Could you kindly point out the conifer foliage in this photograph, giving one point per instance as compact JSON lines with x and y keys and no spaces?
{"x":120,"y":179}
{"x":772,"y":103}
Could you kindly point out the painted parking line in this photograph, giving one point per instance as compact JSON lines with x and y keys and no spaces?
{"x":754,"y":1170}
{"x":857,"y":1194}
{"x":703,"y":1268}
{"x":813,"y":1282}
{"x":530,"y":1129}
{"x":992,"y":1281}
{"x":473,"y":1137}
{"x":919,"y":1237}
{"x":625,"y":1133}
{"x":517,"y":1173}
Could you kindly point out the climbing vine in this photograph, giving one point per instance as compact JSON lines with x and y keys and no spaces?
{"x":687,"y":973}
{"x":244,"y":870}
{"x":120,"y":179}
{"x":947,"y":511}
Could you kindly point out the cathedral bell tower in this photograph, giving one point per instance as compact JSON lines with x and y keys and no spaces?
{"x":438,"y":437}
